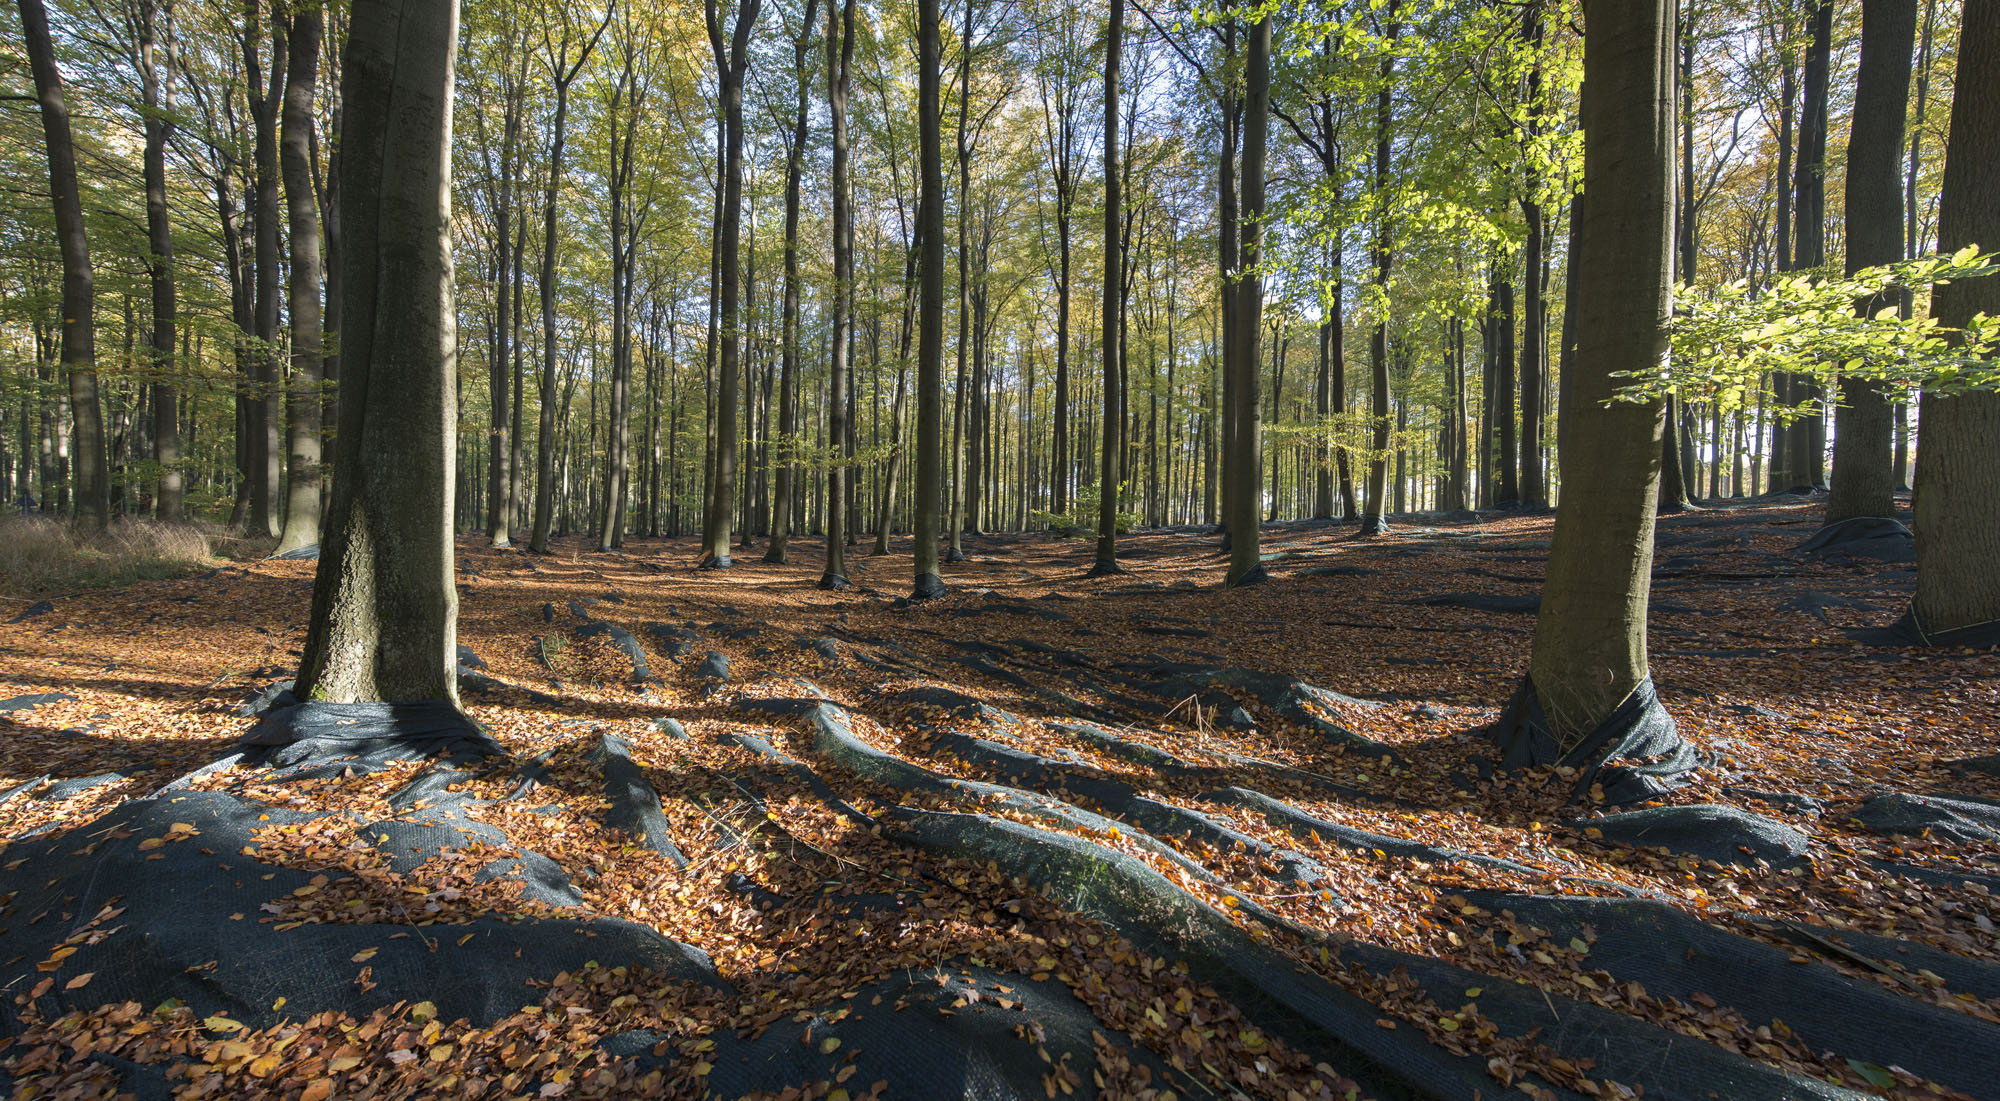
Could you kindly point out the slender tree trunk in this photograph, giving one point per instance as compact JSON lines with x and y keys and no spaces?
{"x":302,"y":210}
{"x":1590,"y":639}
{"x":1378,"y":352}
{"x":930,"y":309}
{"x":781,"y":505}
{"x":1109,"y":473}
{"x":385,"y":610}
{"x":838,"y":69}
{"x":1246,"y":565}
{"x":79,"y":326}
{"x":1808,"y":435}
{"x":731,"y":61}
{"x":1864,"y":481}
{"x":1958,"y":467}
{"x":158,"y":100}
{"x":267,"y":411}
{"x":1534,"y":338}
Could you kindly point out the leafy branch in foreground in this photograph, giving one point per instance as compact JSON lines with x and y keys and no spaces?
{"x":1724,"y":349}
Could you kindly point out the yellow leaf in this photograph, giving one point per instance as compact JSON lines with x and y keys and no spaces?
{"x":364,"y":955}
{"x":222,"y":1024}
{"x":440,"y":1053}
{"x":150,"y":844}
{"x":702,"y":1068}
{"x":343,"y":1062}
{"x":423,"y":1011}
{"x":829,"y":1045}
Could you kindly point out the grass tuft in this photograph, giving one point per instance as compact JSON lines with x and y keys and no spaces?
{"x":43,"y":556}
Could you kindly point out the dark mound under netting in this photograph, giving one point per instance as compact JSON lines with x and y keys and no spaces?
{"x":1636,"y":753}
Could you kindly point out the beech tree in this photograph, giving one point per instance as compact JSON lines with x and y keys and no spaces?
{"x":384,"y":609}
{"x":1590,"y":637}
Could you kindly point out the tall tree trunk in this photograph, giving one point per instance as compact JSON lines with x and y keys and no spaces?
{"x":266,"y":408}
{"x":1113,"y":310}
{"x":563,"y":73}
{"x":1590,"y":639}
{"x":1534,"y":338}
{"x":1808,"y":435}
{"x":1372,"y":522}
{"x":1243,"y":470}
{"x":157,"y":97}
{"x":1864,"y":481}
{"x":1507,"y":489}
{"x":79,"y":325}
{"x":955,"y":525}
{"x":838,"y":70}
{"x":1958,"y":467}
{"x":930,"y":308}
{"x":781,"y":505}
{"x":302,"y":211}
{"x":384,"y":610}
{"x":731,"y":61}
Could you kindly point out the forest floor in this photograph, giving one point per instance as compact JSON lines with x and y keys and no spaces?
{"x":1089,"y":696}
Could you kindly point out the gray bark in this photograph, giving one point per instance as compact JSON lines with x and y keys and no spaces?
{"x":384,"y":612}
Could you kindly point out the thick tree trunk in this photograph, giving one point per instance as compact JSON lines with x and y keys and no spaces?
{"x":302,"y":501}
{"x":1534,"y":339}
{"x":1864,"y":479}
{"x":79,"y":327}
{"x":1958,"y":467}
{"x":384,"y":612}
{"x":1590,"y":639}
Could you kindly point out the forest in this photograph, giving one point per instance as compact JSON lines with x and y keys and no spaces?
{"x":989,"y":549}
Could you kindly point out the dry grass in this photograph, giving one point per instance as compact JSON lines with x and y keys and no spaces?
{"x":42,"y":556}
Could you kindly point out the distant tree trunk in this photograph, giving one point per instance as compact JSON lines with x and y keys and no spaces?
{"x":1109,"y":472}
{"x":1590,"y":638}
{"x":384,"y":610}
{"x":1243,"y":470}
{"x":79,"y":326}
{"x":930,"y":308}
{"x":158,"y":100}
{"x":731,"y":61}
{"x":838,"y":70}
{"x":1958,"y":466}
{"x":955,"y":525}
{"x":302,"y":210}
{"x":1780,"y":447}
{"x":1864,"y":481}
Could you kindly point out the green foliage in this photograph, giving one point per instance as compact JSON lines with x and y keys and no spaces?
{"x":1724,"y":347}
{"x":1080,"y":522}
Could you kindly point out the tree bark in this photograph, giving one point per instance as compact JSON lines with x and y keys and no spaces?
{"x":1372,"y":522}
{"x":1243,"y":468}
{"x":158,"y":100}
{"x":1808,"y":434}
{"x":265,"y":407}
{"x":1590,"y":638}
{"x":78,"y":356}
{"x":731,"y":61}
{"x":384,"y":611}
{"x":1109,"y":474}
{"x":1958,"y":467}
{"x":838,"y":70}
{"x":1864,"y":479}
{"x":930,"y":308}
{"x":302,"y":499}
